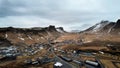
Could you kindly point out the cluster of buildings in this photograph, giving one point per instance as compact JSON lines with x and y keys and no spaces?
{"x":39,"y":60}
{"x":32,"y":49}
{"x":14,"y":51}
{"x":8,"y":52}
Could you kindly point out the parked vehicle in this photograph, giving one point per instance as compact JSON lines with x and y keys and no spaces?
{"x":78,"y":62}
{"x":91,"y":63}
{"x":66,"y":59}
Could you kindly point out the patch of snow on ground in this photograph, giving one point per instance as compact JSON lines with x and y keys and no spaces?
{"x":6,"y":35}
{"x":101,"y":52}
{"x":30,"y":37}
{"x":87,"y":41}
{"x":20,"y":37}
{"x":42,"y":37}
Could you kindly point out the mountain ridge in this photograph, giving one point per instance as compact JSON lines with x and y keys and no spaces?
{"x":29,"y":35}
{"x":105,"y":27}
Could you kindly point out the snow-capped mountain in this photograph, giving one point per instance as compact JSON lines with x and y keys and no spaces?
{"x":105,"y":27}
{"x":100,"y":26}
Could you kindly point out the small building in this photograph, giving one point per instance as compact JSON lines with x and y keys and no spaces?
{"x":58,"y":64}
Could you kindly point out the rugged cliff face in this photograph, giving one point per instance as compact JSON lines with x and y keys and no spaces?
{"x":29,"y":35}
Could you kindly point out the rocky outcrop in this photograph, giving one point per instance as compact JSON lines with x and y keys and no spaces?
{"x":24,"y":30}
{"x":117,"y":25}
{"x":61,"y":30}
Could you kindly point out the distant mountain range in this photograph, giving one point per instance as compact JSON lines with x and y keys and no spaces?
{"x":41,"y":35}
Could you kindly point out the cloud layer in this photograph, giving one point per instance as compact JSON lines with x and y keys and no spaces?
{"x":70,"y":14}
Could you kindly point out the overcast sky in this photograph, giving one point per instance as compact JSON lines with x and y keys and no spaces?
{"x":70,"y":14}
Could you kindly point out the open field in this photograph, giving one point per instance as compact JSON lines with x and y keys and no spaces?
{"x":107,"y":63}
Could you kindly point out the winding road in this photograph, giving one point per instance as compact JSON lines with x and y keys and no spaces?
{"x":58,"y":59}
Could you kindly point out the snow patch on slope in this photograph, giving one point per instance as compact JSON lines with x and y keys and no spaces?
{"x":59,"y":30}
{"x":99,"y":26}
{"x":20,"y":37}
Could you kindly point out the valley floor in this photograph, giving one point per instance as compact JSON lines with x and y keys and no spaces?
{"x":72,"y":50}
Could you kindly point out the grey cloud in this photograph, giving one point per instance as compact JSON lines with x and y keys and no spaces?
{"x":75,"y":13}
{"x":7,"y":8}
